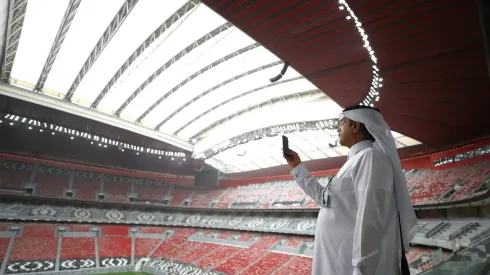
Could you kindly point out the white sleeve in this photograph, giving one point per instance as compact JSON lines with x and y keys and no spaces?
{"x":373,"y":184}
{"x":309,"y":184}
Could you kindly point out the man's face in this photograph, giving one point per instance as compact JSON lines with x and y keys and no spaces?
{"x":347,"y":130}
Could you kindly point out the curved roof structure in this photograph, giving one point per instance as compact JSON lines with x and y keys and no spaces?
{"x":430,"y":54}
{"x":179,"y":72}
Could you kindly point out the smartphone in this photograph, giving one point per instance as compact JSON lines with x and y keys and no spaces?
{"x":285,"y":146}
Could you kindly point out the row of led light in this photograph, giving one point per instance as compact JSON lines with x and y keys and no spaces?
{"x":101,"y":140}
{"x":376,"y":84}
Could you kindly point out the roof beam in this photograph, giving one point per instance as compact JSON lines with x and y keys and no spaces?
{"x":104,"y":40}
{"x":217,"y":87}
{"x":154,"y":36}
{"x":172,"y":61}
{"x":236,"y":97}
{"x":70,"y":13}
{"x":196,"y":74}
{"x":78,"y":110}
{"x":4,"y":16}
{"x":251,"y":108}
{"x":17,"y":12}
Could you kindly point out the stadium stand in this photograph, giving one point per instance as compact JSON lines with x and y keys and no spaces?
{"x":426,"y":186}
{"x":77,"y":248}
{"x":150,"y":190}
{"x":229,"y":252}
{"x":116,"y":188}
{"x":51,"y":181}
{"x":86,"y":185}
{"x":179,"y":195}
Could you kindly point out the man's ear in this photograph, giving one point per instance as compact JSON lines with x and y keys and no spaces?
{"x":356,"y":128}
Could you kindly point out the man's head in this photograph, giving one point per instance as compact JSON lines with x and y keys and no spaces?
{"x":352,"y":132}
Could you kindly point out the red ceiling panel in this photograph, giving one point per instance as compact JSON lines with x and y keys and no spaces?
{"x":430,"y":52}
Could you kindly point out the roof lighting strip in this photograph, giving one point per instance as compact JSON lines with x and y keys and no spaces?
{"x":376,"y":84}
{"x":94,"y":139}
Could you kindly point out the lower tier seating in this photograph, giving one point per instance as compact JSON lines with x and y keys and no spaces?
{"x":36,"y":247}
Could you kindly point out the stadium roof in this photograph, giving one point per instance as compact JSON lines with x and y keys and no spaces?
{"x":180,"y":73}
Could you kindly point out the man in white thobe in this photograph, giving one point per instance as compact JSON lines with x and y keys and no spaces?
{"x":358,"y":226}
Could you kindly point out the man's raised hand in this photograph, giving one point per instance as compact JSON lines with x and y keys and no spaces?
{"x":293,"y":159}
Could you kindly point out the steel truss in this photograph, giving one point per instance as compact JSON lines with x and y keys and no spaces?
{"x":254,"y":107}
{"x":104,"y":40}
{"x":16,"y":15}
{"x":172,"y":61}
{"x":196,"y":74}
{"x":70,"y":13}
{"x":187,"y":7}
{"x":217,"y":87}
{"x":234,"y":98}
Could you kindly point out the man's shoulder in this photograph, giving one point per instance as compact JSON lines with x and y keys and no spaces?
{"x":374,"y":155}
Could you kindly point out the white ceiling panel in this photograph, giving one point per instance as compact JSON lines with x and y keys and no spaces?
{"x":235,"y":66}
{"x":90,"y":22}
{"x":218,"y":96}
{"x":244,"y":102}
{"x":143,"y":20}
{"x":41,"y":23}
{"x":190,"y":28}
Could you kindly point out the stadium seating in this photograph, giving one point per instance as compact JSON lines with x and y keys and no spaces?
{"x":479,"y":177}
{"x":178,"y":195}
{"x":51,"y":181}
{"x":230,"y":252}
{"x":77,"y":248}
{"x":37,"y":243}
{"x":86,"y":185}
{"x":426,"y":186}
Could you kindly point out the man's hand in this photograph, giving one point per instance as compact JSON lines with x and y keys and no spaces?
{"x":293,"y":159}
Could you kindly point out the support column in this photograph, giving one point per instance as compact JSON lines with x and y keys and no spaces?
{"x":132,"y":185}
{"x":72,"y":179}
{"x":101,"y":183}
{"x":133,"y":245}
{"x":32,"y":178}
{"x":97,"y":260}
{"x":156,"y":247}
{"x":58,"y":254}
{"x":7,"y":255}
{"x":170,"y":190}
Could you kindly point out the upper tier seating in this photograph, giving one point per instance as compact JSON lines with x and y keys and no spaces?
{"x":426,"y":186}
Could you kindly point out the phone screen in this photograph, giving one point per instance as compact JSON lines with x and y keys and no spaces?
{"x":285,"y":145}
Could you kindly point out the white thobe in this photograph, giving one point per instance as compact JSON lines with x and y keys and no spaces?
{"x":357,"y":226}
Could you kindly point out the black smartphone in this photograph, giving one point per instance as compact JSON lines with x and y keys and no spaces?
{"x":285,"y":146}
